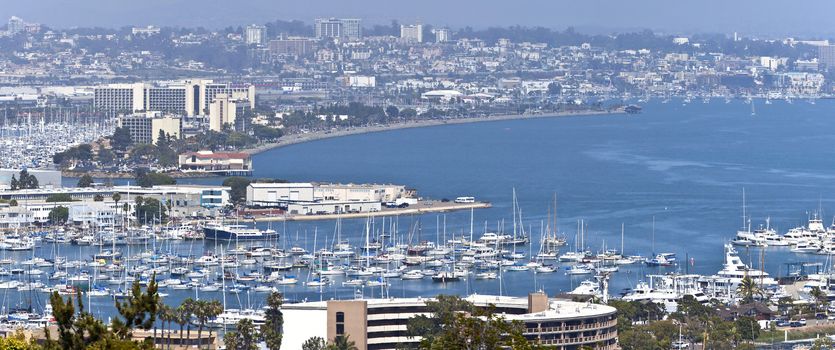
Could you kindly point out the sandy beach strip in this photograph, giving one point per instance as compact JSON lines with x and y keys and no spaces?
{"x":293,"y":139}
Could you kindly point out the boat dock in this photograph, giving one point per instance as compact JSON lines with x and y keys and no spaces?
{"x":422,"y":207}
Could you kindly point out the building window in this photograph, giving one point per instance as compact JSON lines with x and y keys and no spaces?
{"x":340,"y":323}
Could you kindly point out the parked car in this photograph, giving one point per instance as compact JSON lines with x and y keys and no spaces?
{"x":680,"y":344}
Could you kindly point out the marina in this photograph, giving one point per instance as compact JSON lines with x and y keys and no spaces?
{"x":596,"y":241}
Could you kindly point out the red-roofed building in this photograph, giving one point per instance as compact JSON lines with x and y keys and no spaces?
{"x":222,"y":163}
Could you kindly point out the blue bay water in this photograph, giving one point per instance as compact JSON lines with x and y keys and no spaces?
{"x":683,"y":167}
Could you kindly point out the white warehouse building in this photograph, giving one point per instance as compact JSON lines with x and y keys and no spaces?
{"x":313,"y":198}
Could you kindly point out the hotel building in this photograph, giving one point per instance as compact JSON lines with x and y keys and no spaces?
{"x":376,"y":324}
{"x":188,"y":97}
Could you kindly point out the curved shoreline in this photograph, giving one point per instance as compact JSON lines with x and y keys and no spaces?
{"x":293,"y":139}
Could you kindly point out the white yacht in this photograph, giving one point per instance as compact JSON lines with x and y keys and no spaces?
{"x":587,"y":287}
{"x":667,"y":290}
{"x":733,"y":271}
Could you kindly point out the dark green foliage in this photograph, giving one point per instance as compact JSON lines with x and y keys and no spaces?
{"x":145,"y":178}
{"x":455,"y":323}
{"x":150,"y":210}
{"x":238,"y":185}
{"x":59,"y":215}
{"x":24,"y":181}
{"x":266,"y":133}
{"x":85,"y":181}
{"x":121,"y":139}
{"x":81,"y":153}
{"x":342,"y":343}
{"x":392,"y":112}
{"x":139,"y":310}
{"x":272,"y":329}
{"x":244,"y":337}
{"x":166,"y":155}
{"x":59,"y":197}
{"x":314,"y":343}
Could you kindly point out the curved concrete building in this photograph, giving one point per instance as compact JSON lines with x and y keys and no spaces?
{"x":375,"y":324}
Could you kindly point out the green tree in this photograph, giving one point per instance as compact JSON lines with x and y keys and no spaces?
{"x":85,"y":181}
{"x":392,"y":112}
{"x":748,"y":289}
{"x":272,"y":328}
{"x":237,"y":185}
{"x":144,"y":153}
{"x":204,"y":311}
{"x":149,"y":211}
{"x":266,"y":133}
{"x":314,"y":343}
{"x":16,"y":341}
{"x":822,"y":343}
{"x":26,"y":181}
{"x":244,"y":337}
{"x":59,"y":197}
{"x":166,"y":155}
{"x":59,"y":215}
{"x":819,"y":298}
{"x":139,"y":310}
{"x":121,"y":139}
{"x":747,"y":328}
{"x":342,"y":343}
{"x":105,"y":155}
{"x":13,"y":203}
{"x":150,"y":179}
{"x":184,"y":314}
{"x":167,"y":315}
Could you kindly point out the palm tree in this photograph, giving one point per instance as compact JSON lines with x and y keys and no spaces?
{"x":168,"y":314}
{"x":342,"y":343}
{"x":199,"y":312}
{"x":748,"y":289}
{"x":184,"y":313}
{"x":213,"y":309}
{"x":819,"y":297}
{"x":116,"y":198}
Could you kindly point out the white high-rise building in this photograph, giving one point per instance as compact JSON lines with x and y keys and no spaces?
{"x":188,"y":97}
{"x":345,"y":28}
{"x":441,"y":35}
{"x":413,"y":32}
{"x":255,"y":34}
{"x":16,"y":25}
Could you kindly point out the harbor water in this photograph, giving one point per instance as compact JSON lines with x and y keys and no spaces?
{"x":672,"y":175}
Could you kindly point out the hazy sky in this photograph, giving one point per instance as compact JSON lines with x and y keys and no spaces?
{"x":807,"y":17}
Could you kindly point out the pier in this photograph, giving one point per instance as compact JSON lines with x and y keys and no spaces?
{"x":423,"y":207}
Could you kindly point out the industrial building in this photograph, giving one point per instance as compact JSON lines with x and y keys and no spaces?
{"x":315,"y":198}
{"x":46,"y":178}
{"x":376,"y":324}
{"x":186,"y":201}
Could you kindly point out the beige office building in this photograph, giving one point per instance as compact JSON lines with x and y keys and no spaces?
{"x":227,"y":110}
{"x":376,"y":324}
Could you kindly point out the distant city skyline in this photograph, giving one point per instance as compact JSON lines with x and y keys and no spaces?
{"x":765,"y":17}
